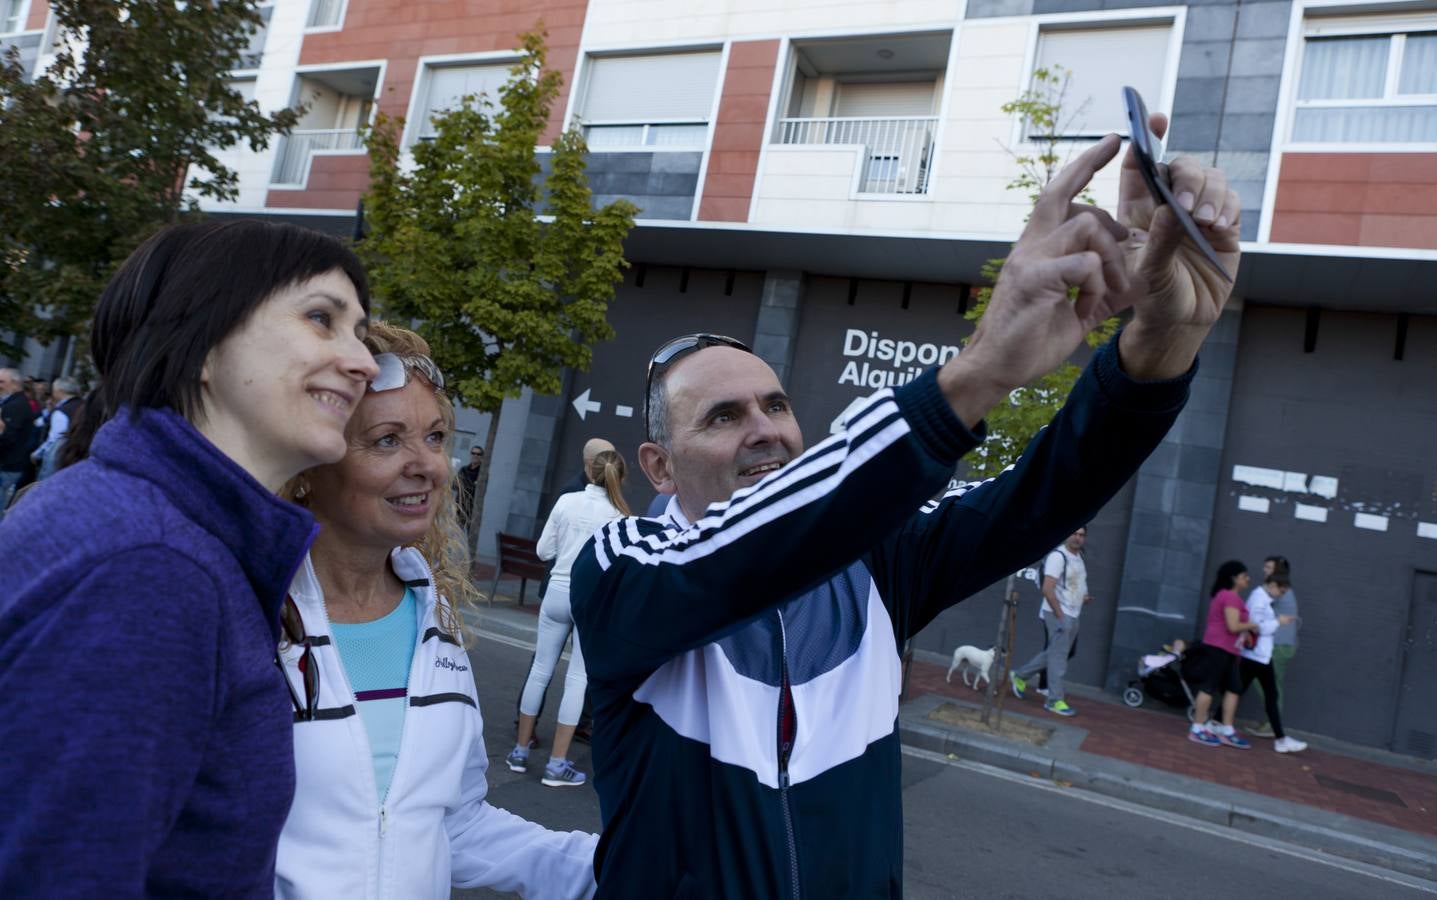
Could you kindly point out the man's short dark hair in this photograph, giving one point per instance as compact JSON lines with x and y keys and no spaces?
{"x":189,"y":287}
{"x":1278,"y":578}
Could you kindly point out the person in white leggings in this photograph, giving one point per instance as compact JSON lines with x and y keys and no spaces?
{"x":572,"y":522}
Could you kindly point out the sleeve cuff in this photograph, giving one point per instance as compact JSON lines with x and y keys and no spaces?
{"x":1127,"y":392}
{"x":938,"y":429}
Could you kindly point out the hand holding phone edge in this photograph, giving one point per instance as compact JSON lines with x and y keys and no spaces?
{"x":1139,"y":260}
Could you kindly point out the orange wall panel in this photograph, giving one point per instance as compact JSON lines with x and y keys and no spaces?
{"x":1357,"y":199}
{"x":738,"y":132}
{"x":35,"y":19}
{"x":400,"y":32}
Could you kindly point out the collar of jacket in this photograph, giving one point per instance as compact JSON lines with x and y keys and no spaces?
{"x":268,"y":536}
{"x":407,"y":562}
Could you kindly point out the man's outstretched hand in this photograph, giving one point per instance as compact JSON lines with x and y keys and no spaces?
{"x":1075,"y":266}
{"x":1177,"y":296}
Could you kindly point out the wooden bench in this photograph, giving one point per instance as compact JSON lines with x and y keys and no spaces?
{"x":517,"y":557}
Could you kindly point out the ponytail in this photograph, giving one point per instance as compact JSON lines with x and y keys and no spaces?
{"x":607,"y":469}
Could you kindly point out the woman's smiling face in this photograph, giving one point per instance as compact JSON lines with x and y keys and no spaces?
{"x":387,"y":489}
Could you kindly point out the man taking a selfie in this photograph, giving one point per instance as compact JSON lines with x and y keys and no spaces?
{"x":743,"y":648}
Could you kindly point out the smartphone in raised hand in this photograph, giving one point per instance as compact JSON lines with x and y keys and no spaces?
{"x":1149,"y":152}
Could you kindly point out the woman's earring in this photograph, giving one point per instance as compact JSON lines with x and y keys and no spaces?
{"x":301,"y":489}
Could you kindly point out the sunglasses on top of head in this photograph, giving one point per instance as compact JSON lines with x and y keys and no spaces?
{"x":395,"y":370}
{"x":676,"y":349}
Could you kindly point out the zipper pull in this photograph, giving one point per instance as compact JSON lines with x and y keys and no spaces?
{"x":383,"y":820}
{"x":783,"y":779}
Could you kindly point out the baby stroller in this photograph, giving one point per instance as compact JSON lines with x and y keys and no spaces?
{"x":1160,"y":677}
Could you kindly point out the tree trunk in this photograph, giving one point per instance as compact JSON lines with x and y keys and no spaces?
{"x":481,"y":487}
{"x":1002,"y":647}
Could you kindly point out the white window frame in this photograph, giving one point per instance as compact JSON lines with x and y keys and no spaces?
{"x":325,"y":29}
{"x":1174,"y":17}
{"x":579,"y":100}
{"x":21,"y":19}
{"x":420,"y":91}
{"x":1395,"y":27}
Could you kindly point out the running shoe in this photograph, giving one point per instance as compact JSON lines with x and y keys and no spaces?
{"x":561,"y":773}
{"x":1060,"y":707}
{"x":1289,"y":745}
{"x":518,"y":760}
{"x":1204,"y":737}
{"x":1020,"y":686}
{"x":1233,"y":740}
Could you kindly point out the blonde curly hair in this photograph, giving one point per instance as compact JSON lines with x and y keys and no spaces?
{"x":443,"y":545}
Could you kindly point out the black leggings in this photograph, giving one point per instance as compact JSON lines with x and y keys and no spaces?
{"x":1265,"y":676}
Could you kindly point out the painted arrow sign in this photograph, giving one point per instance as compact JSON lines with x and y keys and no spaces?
{"x":584,"y":405}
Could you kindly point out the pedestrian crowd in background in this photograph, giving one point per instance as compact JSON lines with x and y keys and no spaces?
{"x":246,"y":577}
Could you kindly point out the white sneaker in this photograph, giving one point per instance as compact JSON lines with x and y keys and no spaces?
{"x":1289,"y":745}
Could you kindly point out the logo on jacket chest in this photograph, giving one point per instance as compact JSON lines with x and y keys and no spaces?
{"x":444,"y":662}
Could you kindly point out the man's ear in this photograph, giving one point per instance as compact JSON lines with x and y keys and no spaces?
{"x":654,"y":460}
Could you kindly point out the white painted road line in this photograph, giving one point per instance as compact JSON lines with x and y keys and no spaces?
{"x":1221,"y":831}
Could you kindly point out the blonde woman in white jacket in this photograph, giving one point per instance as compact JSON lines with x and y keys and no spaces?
{"x":572,"y":522}
{"x":388,"y":739}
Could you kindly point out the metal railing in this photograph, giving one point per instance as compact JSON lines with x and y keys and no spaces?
{"x":324,"y":13}
{"x":897,"y":152}
{"x":296,"y":148}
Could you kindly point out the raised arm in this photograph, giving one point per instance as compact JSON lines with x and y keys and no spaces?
{"x":977,"y":534}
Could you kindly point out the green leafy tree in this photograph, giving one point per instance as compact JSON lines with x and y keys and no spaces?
{"x":508,"y":275}
{"x":1046,"y":117}
{"x":112,"y":141}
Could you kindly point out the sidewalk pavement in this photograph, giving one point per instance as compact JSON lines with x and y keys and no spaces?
{"x":1355,"y":802}
{"x":1364,"y":804}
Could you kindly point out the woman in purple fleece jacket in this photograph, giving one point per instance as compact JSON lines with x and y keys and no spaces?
{"x":146,"y":728}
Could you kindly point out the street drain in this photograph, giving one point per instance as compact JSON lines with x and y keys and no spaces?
{"x":1360,"y":790}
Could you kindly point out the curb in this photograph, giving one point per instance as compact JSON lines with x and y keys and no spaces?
{"x":1060,"y":760}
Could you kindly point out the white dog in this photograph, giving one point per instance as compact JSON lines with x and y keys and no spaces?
{"x":969,"y":657}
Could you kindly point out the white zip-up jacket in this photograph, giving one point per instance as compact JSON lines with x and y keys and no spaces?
{"x":433,"y":828}
{"x":573,"y":520}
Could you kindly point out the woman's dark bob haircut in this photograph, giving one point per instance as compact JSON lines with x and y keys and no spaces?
{"x":188,"y":288}
{"x":1227,"y":575}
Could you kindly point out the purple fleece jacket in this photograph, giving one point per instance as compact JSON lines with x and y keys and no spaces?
{"x":145,"y":731}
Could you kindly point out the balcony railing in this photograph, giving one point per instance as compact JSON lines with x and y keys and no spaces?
{"x":296,"y":149}
{"x":897,"y":152}
{"x":324,"y":13}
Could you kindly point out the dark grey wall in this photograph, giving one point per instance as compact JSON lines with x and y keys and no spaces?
{"x":662,"y":184}
{"x":1165,"y":564}
{"x":1350,"y":411}
{"x":653,"y":304}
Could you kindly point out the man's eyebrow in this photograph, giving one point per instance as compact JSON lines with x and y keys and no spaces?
{"x":719,"y":406}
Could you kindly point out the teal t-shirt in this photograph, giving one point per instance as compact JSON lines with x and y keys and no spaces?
{"x":377,"y":655}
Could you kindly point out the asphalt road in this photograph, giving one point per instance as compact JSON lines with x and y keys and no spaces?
{"x":976,"y":832}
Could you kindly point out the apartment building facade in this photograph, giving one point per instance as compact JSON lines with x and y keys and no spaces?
{"x":825,"y":179}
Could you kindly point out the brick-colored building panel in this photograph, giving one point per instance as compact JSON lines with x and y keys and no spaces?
{"x":39,"y":11}
{"x":1357,"y":199}
{"x":401,"y":32}
{"x":738,"y":132}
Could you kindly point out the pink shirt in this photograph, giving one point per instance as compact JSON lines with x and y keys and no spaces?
{"x":1217,"y":634}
